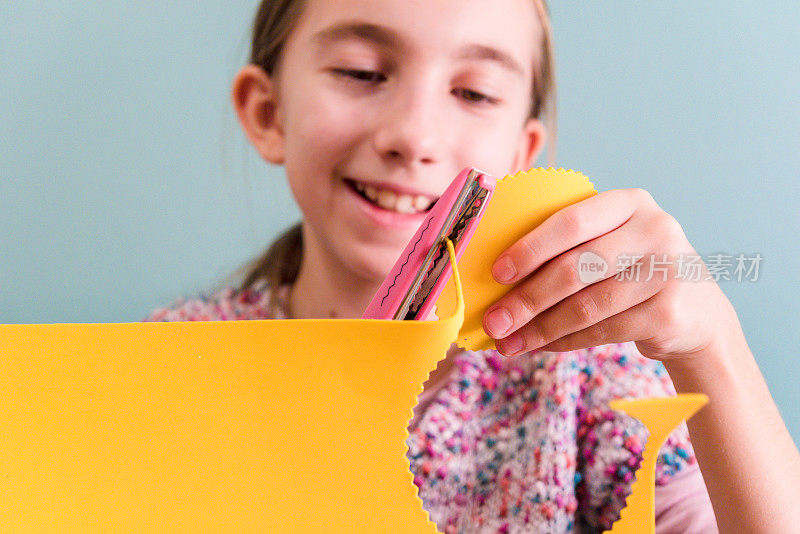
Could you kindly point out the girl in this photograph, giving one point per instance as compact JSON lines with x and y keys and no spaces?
{"x":373,"y":106}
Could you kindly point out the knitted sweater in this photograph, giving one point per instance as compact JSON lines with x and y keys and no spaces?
{"x":524,"y":444}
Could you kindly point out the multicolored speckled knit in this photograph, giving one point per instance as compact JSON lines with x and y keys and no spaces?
{"x":513,"y":445}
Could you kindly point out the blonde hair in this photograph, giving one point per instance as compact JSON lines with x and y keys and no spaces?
{"x":273,"y":23}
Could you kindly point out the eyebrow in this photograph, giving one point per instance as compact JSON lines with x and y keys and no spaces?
{"x":388,"y":38}
{"x":373,"y":33}
{"x":487,"y":53}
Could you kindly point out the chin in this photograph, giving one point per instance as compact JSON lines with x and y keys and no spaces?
{"x":374,"y":265}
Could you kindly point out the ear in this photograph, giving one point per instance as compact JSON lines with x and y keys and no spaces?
{"x":255,"y":99}
{"x":531,"y":142}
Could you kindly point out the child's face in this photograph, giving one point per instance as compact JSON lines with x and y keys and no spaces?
{"x":399,"y":95}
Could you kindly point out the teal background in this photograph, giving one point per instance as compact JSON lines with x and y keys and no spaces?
{"x":125,"y":181}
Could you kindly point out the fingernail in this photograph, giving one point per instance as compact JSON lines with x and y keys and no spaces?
{"x":498,"y":321}
{"x":509,"y":345}
{"x":503,"y":270}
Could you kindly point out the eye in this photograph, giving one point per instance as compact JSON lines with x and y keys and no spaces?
{"x":474,"y":96}
{"x":361,"y":75}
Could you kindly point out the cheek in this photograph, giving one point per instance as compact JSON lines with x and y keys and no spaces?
{"x":324,"y":125}
{"x":494,"y":152}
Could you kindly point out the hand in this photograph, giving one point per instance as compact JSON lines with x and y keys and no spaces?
{"x":553,"y":309}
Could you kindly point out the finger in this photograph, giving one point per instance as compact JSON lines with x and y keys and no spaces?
{"x":619,"y":328}
{"x":564,"y":276}
{"x":587,"y":310}
{"x":634,"y":324}
{"x":566,"y":229}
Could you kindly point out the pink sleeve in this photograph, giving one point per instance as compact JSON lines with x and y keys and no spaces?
{"x":683,"y":506}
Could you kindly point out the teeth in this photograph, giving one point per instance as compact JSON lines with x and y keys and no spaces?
{"x":421,"y":203}
{"x":386,"y":199}
{"x":404,"y":204}
{"x":390,"y":200}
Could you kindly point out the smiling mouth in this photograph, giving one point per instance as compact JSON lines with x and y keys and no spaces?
{"x":391,"y":201}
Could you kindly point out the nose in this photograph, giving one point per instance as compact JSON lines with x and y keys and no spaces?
{"x":409,"y":130}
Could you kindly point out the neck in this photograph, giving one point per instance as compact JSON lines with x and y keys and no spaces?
{"x":323,"y":290}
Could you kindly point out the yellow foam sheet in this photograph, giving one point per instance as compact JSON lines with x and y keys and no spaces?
{"x":519,"y":204}
{"x":660,"y":416}
{"x":276,"y":426}
{"x":267,"y":426}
